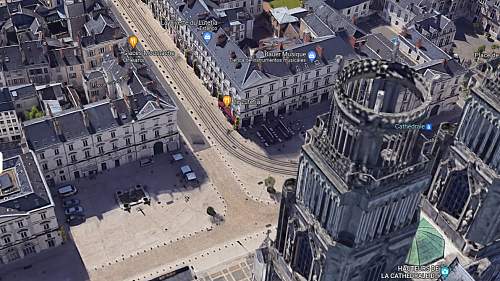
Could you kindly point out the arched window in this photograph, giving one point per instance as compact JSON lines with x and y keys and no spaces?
{"x":457,"y":194}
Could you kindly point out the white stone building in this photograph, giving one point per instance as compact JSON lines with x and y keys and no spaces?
{"x":81,"y":142}
{"x":352,"y":8}
{"x":259,"y":86}
{"x":10,"y":127}
{"x":28,"y":224}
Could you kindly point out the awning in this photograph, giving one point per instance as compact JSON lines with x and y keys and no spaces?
{"x":427,"y":246}
{"x":191,"y":176}
{"x":177,"y":157}
{"x":185,"y":169}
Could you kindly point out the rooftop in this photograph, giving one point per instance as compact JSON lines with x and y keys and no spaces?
{"x":27,"y":191}
{"x":6,"y":100}
{"x":344,"y":4}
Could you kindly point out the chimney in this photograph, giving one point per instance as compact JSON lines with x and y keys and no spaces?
{"x":113,"y":110}
{"x":158,"y":101}
{"x":352,"y":41}
{"x":418,"y":43}
{"x":319,"y":51}
{"x":57,"y":126}
{"x":307,"y":37}
{"x":86,"y":121}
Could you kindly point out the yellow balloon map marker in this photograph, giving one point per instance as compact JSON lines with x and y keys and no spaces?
{"x":226,"y":100}
{"x":133,"y":40}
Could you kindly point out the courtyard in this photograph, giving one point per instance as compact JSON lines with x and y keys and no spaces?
{"x":177,"y":210}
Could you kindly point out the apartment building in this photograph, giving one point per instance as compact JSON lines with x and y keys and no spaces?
{"x":261,"y":87}
{"x":28,"y":224}
{"x":10,"y":127}
{"x":352,"y":9}
{"x":437,"y":28}
{"x":102,"y":37}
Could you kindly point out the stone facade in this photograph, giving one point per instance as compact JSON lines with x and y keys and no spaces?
{"x":464,"y":194}
{"x":28,"y":223}
{"x":354,"y":209}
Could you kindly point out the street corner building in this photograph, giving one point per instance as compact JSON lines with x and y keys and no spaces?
{"x":28,"y":223}
{"x":354,"y":209}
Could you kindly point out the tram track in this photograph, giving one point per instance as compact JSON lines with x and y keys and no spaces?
{"x":209,"y":118}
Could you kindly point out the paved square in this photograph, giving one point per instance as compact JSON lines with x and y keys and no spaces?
{"x":111,"y":234}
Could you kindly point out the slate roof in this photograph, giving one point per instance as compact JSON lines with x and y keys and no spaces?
{"x":428,"y":48}
{"x":11,"y":58}
{"x":50,"y":92}
{"x":332,"y":18}
{"x":22,"y":91}
{"x":344,"y":4}
{"x":6,"y":100}
{"x":100,"y":30}
{"x":64,"y":57}
{"x":40,"y":133}
{"x":32,"y":192}
{"x":377,"y":46}
{"x":446,"y":66}
{"x":317,"y":25}
{"x":35,"y":53}
{"x":431,"y":23}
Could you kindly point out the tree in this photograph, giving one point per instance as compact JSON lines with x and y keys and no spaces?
{"x":481,"y":49}
{"x":34,"y":113}
{"x":269,"y":181}
{"x":271,"y":190}
{"x":211,"y":211}
{"x":494,"y":46}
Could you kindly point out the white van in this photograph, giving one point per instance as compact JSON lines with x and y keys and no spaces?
{"x":66,"y":191}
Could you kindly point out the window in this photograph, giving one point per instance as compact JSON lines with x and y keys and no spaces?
{"x":101,"y":149}
{"x":316,"y":84}
{"x":70,"y":147}
{"x":270,"y":98}
{"x":20,"y":224}
{"x":113,"y":135}
{"x":29,"y":249}
{"x":305,"y":86}
{"x":143,"y":137}
{"x":259,"y":91}
{"x":295,"y":79}
{"x":317,"y":73}
{"x":271,"y":87}
{"x":42,"y":156}
{"x":6,"y":239}
{"x":46,"y":226}
{"x":3,"y":229}
{"x":85,"y":143}
{"x":247,"y":95}
{"x":59,"y":162}
{"x":283,"y":93}
{"x":63,"y":178}
{"x":56,"y":151}
{"x":73,"y":158}
{"x":284,"y":83}
{"x":43,"y":216}
{"x":114,"y":145}
{"x":157,"y":133}
{"x":87,"y":153}
{"x":99,"y":138}
{"x":23,"y":234}
{"x":127,"y":141}
{"x":294,"y":90}
{"x":45,"y":167}
{"x":51,"y":243}
{"x":348,"y":11}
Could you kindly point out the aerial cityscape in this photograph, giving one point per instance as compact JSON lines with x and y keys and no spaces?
{"x":249,"y":140}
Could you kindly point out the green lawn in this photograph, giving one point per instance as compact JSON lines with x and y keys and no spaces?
{"x":286,"y":3}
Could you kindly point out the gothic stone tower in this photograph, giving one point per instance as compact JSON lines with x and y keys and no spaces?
{"x":465,"y":192}
{"x":354,"y":209}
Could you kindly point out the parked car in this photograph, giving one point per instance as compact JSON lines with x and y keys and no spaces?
{"x":67,"y":190}
{"x":73,"y":210}
{"x":71,"y":202}
{"x":73,"y":220}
